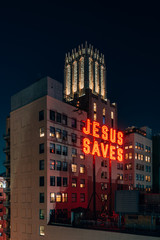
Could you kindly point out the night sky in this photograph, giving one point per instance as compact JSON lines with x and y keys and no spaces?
{"x":34,"y":39}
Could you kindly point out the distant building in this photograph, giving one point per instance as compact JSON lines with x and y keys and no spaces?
{"x":138,"y":158}
{"x":2,"y":209}
{"x":156,"y":163}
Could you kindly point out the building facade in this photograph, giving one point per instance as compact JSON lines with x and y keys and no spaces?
{"x":138,"y":158}
{"x":156,"y":163}
{"x":2,"y":209}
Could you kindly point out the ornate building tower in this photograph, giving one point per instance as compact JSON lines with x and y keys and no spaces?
{"x":84,"y":69}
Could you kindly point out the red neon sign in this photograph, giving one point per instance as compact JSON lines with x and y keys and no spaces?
{"x":112,"y":149}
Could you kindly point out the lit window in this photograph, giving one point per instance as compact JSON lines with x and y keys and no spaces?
{"x":52,"y":197}
{"x":41,"y":164}
{"x":126,"y":147}
{"x":104,"y":111}
{"x":41,"y":213}
{"x":75,"y":76}
{"x":94,"y":116}
{"x":96,"y":77}
{"x":74,"y":167}
{"x":52,"y":148}
{"x":126,"y":156}
{"x":58,"y":197}
{"x":41,"y":115}
{"x":74,"y":182}
{"x":130,"y":155}
{"x":136,"y":145}
{"x":94,"y":107}
{"x":146,"y":158}
{"x":64,"y":197}
{"x":149,"y":159}
{"x":41,"y":231}
{"x":82,"y":183}
{"x":52,"y":132}
{"x":52,"y":115}
{"x":52,"y":164}
{"x":82,"y":156}
{"x":82,"y":197}
{"x":105,"y":197}
{"x":74,"y":197}
{"x":82,"y":73}
{"x":112,"y":115}
{"x":139,"y":156}
{"x":130,"y":146}
{"x":82,"y":168}
{"x":136,"y":155}
{"x":119,"y":176}
{"x":142,"y":157}
{"x":58,"y":133}
{"x":139,"y":146}
{"x":41,"y":132}
{"x":90,"y":73}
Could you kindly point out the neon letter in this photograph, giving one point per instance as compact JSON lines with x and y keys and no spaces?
{"x":96,"y":149}
{"x":112,"y":135}
{"x":105,"y":132}
{"x":104,"y":150}
{"x":112,"y":152}
{"x":120,"y":154}
{"x":120,"y":138}
{"x":87,"y":129}
{"x":86,"y":147}
{"x":95,"y":129}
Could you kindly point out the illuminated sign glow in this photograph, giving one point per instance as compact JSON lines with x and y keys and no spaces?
{"x":112,"y":149}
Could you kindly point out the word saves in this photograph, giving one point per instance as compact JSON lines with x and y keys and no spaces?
{"x":112,"y":149}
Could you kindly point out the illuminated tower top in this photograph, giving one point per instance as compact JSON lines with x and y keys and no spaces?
{"x":84,"y":69}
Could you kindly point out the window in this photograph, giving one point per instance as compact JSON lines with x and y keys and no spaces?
{"x":74,"y":152}
{"x":126,"y":177}
{"x":82,"y":125}
{"x":104,"y":163}
{"x":41,"y":197}
{"x":74,"y":123}
{"x":58,"y":181}
{"x":142,"y":157}
{"x":82,"y":197}
{"x":64,"y":135}
{"x":130,"y":176}
{"x":112,"y":115}
{"x":136,"y":155}
{"x":58,"y":149}
{"x":52,"y":164}
{"x":74,"y":168}
{"x":94,"y":116}
{"x":139,"y":156}
{"x":52,"y":115}
{"x":58,"y":165}
{"x":41,"y":213}
{"x":52,"y":181}
{"x":65,"y":166}
{"x":82,"y":168}
{"x":104,"y":175}
{"x":41,"y":181}
{"x":82,"y":156}
{"x":52,"y":132}
{"x":119,"y":176}
{"x":41,"y":148}
{"x":58,"y":197}
{"x":41,"y":231}
{"x":74,"y":138}
{"x":82,"y":183}
{"x":64,"y":119}
{"x":41,"y":132}
{"x":94,"y":107}
{"x":41,"y":115}
{"x":58,"y":133}
{"x":41,"y":164}
{"x":52,"y":197}
{"x":65,"y":150}
{"x":64,"y":197}
{"x":74,"y":182}
{"x":126,"y":156}
{"x":52,"y":148}
{"x":58,"y":119}
{"x":74,"y":197}
{"x":130,"y":155}
{"x":136,"y":145}
{"x":65,"y":182}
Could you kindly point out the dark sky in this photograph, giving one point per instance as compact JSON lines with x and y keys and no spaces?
{"x":35,"y":37}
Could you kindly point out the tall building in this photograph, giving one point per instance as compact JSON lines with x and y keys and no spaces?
{"x":138,"y":158}
{"x":48,"y":173}
{"x":2,"y":209}
{"x":156,"y":163}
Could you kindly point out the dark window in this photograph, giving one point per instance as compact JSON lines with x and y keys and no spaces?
{"x":52,"y":148}
{"x":74,"y":152}
{"x":52,"y":115}
{"x":65,"y":166}
{"x":112,"y":123}
{"x":58,"y":181}
{"x":41,"y":115}
{"x":52,"y":164}
{"x":41,"y":213}
{"x":41,"y":197}
{"x":41,"y":148}
{"x":58,"y":117}
{"x":41,"y":164}
{"x":82,"y":124}
{"x":82,"y":197}
{"x":41,"y":181}
{"x":58,"y":149}
{"x":74,"y":137}
{"x":65,"y":182}
{"x":103,"y":119}
{"x":52,"y":132}
{"x":64,"y":119}
{"x":52,"y":181}
{"x":58,"y":165}
{"x":64,"y":135}
{"x":74,"y":123}
{"x":74,"y":197}
{"x":65,"y":150}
